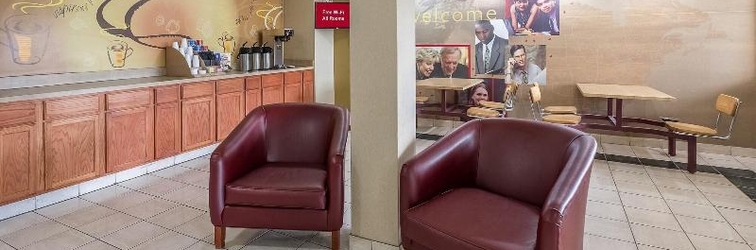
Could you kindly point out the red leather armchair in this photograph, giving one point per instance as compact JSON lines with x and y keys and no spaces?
{"x":281,"y":168}
{"x":498,"y":184}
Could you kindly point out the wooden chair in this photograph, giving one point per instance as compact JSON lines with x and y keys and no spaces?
{"x":725,"y":104}
{"x":540,"y":114}
{"x":559,"y":109}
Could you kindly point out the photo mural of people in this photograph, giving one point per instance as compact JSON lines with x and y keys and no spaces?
{"x":533,"y":16}
{"x":425,"y":60}
{"x":452,"y":64}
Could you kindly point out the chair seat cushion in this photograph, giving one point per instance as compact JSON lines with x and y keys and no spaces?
{"x":688,"y":128}
{"x":469,"y":218}
{"x":562,"y":119}
{"x":280,"y":185}
{"x":560,"y":110}
{"x":421,"y":99}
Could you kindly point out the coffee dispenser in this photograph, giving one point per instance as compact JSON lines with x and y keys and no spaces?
{"x":278,"y":37}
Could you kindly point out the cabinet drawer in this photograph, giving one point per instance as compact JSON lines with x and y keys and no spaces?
{"x":253,"y":82}
{"x":72,"y":106}
{"x":272,"y":80}
{"x":128,"y":99}
{"x":307,"y":75}
{"x":192,"y":90}
{"x":17,"y":113}
{"x":167,"y":94}
{"x":229,"y":86}
{"x":293,"y":77}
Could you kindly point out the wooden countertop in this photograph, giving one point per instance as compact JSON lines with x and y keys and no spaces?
{"x":632,"y":92}
{"x":448,"y":83}
{"x":54,"y":91}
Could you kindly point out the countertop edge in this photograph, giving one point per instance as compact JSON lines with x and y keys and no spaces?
{"x":96,"y":90}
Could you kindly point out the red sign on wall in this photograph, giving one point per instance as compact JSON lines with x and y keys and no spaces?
{"x":330,"y":15}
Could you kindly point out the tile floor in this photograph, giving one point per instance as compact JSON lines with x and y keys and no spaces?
{"x":631,"y":206}
{"x":167,"y":209}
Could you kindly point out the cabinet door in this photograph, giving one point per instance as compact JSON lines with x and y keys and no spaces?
{"x":197,"y":122}
{"x":230,"y":112}
{"x":130,"y":138}
{"x":308,"y":86}
{"x":167,"y":129}
{"x":293,"y":86}
{"x":272,"y":88}
{"x":308,"y":92}
{"x":73,"y":150}
{"x":293,"y":92}
{"x":19,"y":168}
{"x":273,"y":94}
{"x":254,"y":99}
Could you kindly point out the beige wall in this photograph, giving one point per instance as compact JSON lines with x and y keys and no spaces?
{"x":341,"y":67}
{"x":692,"y":50}
{"x":383,"y":114}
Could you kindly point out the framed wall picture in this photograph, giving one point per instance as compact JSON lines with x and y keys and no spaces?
{"x":442,"y":61}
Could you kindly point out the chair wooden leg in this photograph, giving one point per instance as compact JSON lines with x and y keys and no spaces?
{"x":220,"y":237}
{"x":692,"y":155}
{"x":335,"y":241}
{"x":672,"y":146}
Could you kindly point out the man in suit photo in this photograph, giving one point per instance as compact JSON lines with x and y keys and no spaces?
{"x":490,"y":54}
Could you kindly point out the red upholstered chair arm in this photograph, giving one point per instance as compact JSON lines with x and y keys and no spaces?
{"x":563,"y":214}
{"x":336,"y":170}
{"x":242,"y":151}
{"x":449,"y":163}
{"x":335,"y":193}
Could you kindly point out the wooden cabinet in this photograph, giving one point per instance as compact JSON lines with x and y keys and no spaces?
{"x":20,"y":151}
{"x":129,"y":129}
{"x":73,"y":140}
{"x":54,"y":143}
{"x":253,"y":93}
{"x":272,"y":88}
{"x":230,"y":105}
{"x":293,"y":86}
{"x":167,"y":122}
{"x":197,"y":115}
{"x":308,"y":87}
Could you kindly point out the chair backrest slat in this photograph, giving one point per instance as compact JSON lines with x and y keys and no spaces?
{"x":535,"y":94}
{"x":727,"y":104}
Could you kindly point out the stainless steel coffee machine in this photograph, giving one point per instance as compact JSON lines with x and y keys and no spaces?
{"x":278,"y":37}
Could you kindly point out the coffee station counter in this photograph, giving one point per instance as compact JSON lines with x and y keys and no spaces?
{"x":70,"y":134}
{"x":56,"y":91}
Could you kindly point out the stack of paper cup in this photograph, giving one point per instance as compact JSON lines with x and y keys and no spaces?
{"x":188,"y":57}
{"x":195,"y":61}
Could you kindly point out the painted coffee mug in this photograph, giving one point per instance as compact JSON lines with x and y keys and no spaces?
{"x":118,"y":51}
{"x":27,"y":38}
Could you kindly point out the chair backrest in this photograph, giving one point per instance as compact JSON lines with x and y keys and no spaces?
{"x":301,"y":133}
{"x":535,"y":102}
{"x":522,"y":159}
{"x":727,"y":105}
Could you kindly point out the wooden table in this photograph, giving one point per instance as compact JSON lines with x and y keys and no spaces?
{"x":446,"y":84}
{"x":615,"y":94}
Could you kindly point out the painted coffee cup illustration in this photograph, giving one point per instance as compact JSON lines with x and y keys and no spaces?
{"x":226,"y":42}
{"x":27,"y":38}
{"x":118,"y":51}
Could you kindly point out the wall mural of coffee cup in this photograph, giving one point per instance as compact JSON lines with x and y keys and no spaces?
{"x":118,"y":51}
{"x":227,"y":42}
{"x":54,"y":36}
{"x":26,"y":37}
